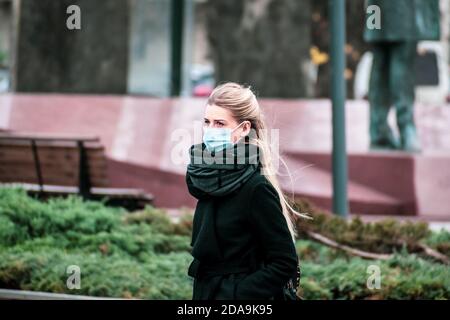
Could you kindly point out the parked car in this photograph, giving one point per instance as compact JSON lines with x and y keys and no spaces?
{"x":202,"y":79}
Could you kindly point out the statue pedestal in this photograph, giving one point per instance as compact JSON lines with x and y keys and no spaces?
{"x":380,"y":183}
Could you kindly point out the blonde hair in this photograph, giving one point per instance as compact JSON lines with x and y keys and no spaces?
{"x":242,"y":103}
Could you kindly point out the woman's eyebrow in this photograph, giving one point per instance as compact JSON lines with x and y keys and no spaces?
{"x":223,"y":120}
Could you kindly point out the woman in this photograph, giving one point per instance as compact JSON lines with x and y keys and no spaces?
{"x":243,"y":235}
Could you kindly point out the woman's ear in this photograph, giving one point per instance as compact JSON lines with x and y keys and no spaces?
{"x":246,"y":128}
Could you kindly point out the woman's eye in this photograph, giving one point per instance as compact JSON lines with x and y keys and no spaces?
{"x":219,"y":124}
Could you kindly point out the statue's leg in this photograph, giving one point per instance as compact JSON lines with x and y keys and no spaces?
{"x":402,"y":92}
{"x":381,"y":136}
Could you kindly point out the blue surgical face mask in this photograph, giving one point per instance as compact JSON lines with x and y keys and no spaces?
{"x":217,"y":139}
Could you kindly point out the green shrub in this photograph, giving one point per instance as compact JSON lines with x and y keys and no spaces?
{"x":403,"y":277}
{"x":157,"y":218}
{"x":158,"y":277}
{"x":440,"y":241}
{"x":119,"y":255}
{"x":35,"y":219}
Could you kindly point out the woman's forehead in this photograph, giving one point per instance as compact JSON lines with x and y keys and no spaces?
{"x":213,"y":112}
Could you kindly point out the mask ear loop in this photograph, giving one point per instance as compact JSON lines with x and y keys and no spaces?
{"x":240,"y":124}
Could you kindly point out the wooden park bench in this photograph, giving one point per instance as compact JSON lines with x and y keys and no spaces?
{"x":46,"y":166}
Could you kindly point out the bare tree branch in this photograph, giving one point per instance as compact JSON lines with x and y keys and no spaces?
{"x":370,"y":255}
{"x":355,"y":252}
{"x":433,"y":253}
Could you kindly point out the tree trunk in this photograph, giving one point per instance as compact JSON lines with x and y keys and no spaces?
{"x":262,"y":43}
{"x":52,"y":58}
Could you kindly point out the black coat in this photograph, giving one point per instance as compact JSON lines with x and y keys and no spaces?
{"x":241,"y":244}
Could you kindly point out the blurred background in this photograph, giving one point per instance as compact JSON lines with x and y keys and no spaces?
{"x":107,"y":111}
{"x":133,"y":43}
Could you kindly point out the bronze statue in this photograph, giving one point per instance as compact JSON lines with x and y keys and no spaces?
{"x":394,"y":45}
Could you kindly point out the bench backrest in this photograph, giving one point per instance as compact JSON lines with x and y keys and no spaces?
{"x":51,"y":160}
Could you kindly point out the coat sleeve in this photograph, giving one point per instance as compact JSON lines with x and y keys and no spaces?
{"x":272,"y":232}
